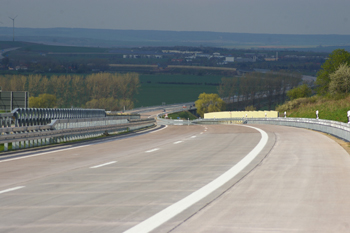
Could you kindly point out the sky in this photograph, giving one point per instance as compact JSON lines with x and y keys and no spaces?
{"x":241,"y":16}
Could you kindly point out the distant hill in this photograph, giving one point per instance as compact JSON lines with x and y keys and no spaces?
{"x":133,"y":38}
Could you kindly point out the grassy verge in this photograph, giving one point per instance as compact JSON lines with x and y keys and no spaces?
{"x":184,"y":115}
{"x":329,"y":109}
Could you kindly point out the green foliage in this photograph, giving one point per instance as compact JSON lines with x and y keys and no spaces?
{"x":296,"y":103}
{"x":336,"y":58}
{"x":340,"y":80}
{"x":252,"y":87}
{"x":250,"y":108}
{"x":209,"y":103}
{"x":182,"y":115}
{"x":5,"y":61}
{"x":329,"y":108}
{"x":110,"y":104}
{"x":301,"y":91}
{"x":43,"y":101}
{"x":77,"y":90}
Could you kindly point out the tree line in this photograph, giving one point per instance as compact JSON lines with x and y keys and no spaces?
{"x":101,"y":90}
{"x":257,"y":89}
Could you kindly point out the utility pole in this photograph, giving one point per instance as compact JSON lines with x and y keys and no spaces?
{"x":13,"y":27}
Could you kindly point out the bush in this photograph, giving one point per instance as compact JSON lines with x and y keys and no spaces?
{"x":301,"y":91}
{"x":250,"y":108}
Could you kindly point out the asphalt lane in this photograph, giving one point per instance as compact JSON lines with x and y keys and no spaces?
{"x":298,"y":182}
{"x":302,"y":185}
{"x":112,"y":186}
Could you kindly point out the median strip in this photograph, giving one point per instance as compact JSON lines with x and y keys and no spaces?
{"x":105,"y":164}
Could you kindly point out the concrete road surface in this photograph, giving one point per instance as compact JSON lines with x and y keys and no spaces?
{"x":298,"y":182}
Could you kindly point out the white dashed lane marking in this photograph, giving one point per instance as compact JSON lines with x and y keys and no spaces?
{"x":11,"y":189}
{"x":105,"y":164}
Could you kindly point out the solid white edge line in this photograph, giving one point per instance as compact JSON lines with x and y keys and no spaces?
{"x":176,"y":208}
{"x":50,"y":152}
{"x":152,"y":150}
{"x":160,"y":129}
{"x":105,"y":164}
{"x":11,"y":189}
{"x":177,"y":142}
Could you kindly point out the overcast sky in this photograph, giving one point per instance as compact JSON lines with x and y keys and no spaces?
{"x":250,"y":16}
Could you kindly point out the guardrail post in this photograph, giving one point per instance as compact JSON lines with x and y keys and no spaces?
{"x":14,"y":145}
{"x":26,"y":144}
{"x":35,"y":141}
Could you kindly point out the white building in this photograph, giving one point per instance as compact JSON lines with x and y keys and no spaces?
{"x":229,"y":59}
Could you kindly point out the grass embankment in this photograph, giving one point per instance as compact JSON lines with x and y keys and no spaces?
{"x":329,"y":108}
{"x":184,"y":115}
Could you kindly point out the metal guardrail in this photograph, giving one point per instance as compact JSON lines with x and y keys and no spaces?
{"x":42,"y":116}
{"x":336,"y":128}
{"x":67,"y":130}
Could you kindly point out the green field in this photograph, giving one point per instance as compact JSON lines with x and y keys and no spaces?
{"x":154,"y":93}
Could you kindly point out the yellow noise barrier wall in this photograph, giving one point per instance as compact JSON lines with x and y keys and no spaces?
{"x":240,"y":114}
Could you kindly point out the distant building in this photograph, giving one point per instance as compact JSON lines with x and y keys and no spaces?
{"x":229,"y":59}
{"x":176,"y":60}
{"x":270,"y":59}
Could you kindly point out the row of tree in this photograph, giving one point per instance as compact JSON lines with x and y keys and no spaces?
{"x":254,"y":88}
{"x":77,"y":90}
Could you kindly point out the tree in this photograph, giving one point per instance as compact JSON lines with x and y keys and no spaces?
{"x":250,"y":108}
{"x":336,"y":58}
{"x":340,"y":80}
{"x":43,"y":101}
{"x":209,"y":103}
{"x":228,"y":88}
{"x":299,"y":92}
{"x":5,"y":61}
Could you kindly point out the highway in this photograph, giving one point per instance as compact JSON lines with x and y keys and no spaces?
{"x":197,"y":178}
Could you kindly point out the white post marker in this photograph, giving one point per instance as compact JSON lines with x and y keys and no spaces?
{"x":349,"y":117}
{"x":285,"y":114}
{"x":316,"y":114}
{"x":176,"y":208}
